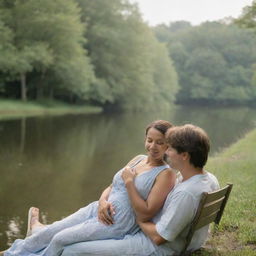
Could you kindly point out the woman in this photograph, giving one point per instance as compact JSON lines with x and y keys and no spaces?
{"x":143,"y":184}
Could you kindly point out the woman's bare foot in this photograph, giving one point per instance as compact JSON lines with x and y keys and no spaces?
{"x":33,"y":220}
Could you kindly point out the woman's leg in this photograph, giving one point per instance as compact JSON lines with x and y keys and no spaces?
{"x":41,"y":239}
{"x":91,"y":230}
{"x":137,"y":244}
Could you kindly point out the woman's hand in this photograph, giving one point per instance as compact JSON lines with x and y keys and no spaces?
{"x":128,"y":174}
{"x":106,"y":212}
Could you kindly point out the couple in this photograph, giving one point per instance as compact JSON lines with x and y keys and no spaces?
{"x":139,"y":192}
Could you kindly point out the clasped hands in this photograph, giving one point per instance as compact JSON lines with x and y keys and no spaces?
{"x":106,"y":210}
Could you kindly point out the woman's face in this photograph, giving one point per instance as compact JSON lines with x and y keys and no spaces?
{"x":155,"y":144}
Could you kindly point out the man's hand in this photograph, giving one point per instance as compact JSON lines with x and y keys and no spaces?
{"x":106,"y":212}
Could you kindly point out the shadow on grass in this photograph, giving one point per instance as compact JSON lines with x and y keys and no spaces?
{"x":206,"y":252}
{"x":226,"y":243}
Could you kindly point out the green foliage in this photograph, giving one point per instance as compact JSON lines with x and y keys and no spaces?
{"x":6,"y":48}
{"x":165,"y":76}
{"x":48,"y":39}
{"x":247,"y":18}
{"x":97,"y":51}
{"x":214,"y":61}
{"x":122,"y":49}
{"x":102,"y":52}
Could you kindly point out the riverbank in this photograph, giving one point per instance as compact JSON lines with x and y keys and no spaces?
{"x":16,"y":108}
{"x":236,"y":234}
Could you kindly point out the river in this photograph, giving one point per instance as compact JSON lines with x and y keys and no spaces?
{"x":60,"y":164}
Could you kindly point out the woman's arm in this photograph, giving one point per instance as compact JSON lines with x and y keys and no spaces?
{"x":105,"y":208}
{"x":145,"y":210}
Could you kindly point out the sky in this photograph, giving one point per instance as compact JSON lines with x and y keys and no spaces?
{"x":195,"y":11}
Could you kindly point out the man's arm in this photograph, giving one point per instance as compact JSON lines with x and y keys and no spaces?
{"x":172,"y":221}
{"x":149,"y":229}
{"x":176,"y":216}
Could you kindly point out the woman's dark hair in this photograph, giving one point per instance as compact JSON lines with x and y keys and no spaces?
{"x":191,"y":139}
{"x":160,"y":125}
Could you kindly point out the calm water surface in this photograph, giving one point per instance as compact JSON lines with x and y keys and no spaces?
{"x":60,"y":164}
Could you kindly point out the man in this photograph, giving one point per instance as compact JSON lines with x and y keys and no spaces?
{"x":165,"y":235}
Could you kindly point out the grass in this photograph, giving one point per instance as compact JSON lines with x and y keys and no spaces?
{"x":236,"y":234}
{"x":17,"y":108}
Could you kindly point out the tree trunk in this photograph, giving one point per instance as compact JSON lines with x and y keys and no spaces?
{"x":51,"y":93}
{"x":23,"y":87}
{"x":40,"y":87}
{"x":39,"y":91}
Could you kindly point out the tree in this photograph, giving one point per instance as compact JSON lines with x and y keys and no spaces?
{"x":48,"y":41}
{"x":214,"y":62}
{"x":98,"y":51}
{"x":121,"y":47}
{"x":247,"y":19}
{"x":164,"y":75}
{"x":28,"y":58}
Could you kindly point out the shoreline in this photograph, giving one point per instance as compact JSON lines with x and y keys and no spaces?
{"x":10,"y":109}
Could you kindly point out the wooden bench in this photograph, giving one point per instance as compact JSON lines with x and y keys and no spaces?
{"x":210,"y":209}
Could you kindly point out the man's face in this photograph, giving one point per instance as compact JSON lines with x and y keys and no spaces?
{"x":174,"y":157}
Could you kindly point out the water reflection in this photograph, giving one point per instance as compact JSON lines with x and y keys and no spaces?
{"x":13,"y":230}
{"x":62,"y":163}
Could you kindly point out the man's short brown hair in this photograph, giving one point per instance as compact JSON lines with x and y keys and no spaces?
{"x":191,"y":139}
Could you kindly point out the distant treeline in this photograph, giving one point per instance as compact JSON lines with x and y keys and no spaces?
{"x":96,"y":51}
{"x":102,"y":52}
{"x":215,"y":62}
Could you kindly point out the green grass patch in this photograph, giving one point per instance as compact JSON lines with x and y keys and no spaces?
{"x":17,"y":108}
{"x":236,"y":234}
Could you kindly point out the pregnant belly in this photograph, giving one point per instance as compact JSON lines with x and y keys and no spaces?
{"x":124,"y":218}
{"x":123,"y":210}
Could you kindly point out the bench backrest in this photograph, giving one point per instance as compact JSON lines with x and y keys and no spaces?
{"x":210,"y":209}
